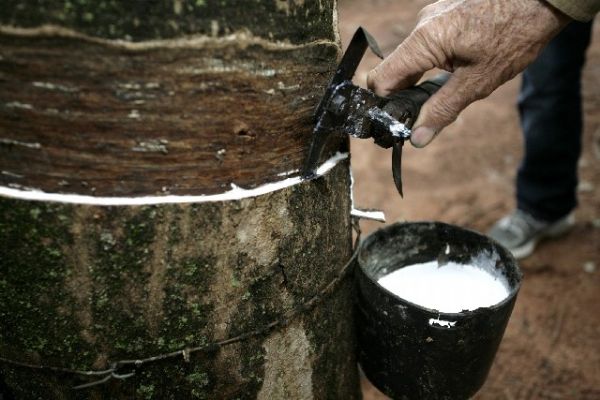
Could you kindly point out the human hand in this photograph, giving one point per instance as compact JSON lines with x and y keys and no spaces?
{"x":484,"y":43}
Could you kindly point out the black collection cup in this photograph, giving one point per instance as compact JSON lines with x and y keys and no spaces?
{"x":410,"y":352}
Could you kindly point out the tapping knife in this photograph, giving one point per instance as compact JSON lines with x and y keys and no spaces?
{"x":349,"y":109}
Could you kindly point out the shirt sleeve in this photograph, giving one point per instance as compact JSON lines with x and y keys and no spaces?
{"x":580,"y":10}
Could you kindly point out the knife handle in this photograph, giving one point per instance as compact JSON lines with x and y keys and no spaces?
{"x":406,"y":104}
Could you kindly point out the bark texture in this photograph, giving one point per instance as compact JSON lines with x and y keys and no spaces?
{"x":183,"y":116}
{"x":118,"y":98}
{"x":82,"y":286}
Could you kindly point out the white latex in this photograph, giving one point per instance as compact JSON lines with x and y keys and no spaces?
{"x":235,"y":193}
{"x":450,"y":288}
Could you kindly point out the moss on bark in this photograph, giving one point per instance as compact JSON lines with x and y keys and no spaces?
{"x":291,"y":20}
{"x":83,"y":286}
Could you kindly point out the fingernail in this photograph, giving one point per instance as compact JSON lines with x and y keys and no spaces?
{"x":421,"y":136}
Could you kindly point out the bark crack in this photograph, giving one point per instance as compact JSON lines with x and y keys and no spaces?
{"x":157,"y":270}
{"x":284,"y":282}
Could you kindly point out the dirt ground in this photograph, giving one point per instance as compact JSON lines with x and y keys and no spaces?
{"x":551,"y":349}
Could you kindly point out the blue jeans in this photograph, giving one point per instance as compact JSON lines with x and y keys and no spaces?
{"x":551,"y":119}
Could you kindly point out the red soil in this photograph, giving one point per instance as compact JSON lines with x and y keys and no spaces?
{"x":551,"y":349}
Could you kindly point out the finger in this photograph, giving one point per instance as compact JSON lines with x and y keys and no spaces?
{"x":403,"y":68}
{"x":463,"y":88}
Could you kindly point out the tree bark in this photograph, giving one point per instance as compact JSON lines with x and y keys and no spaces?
{"x":108,"y":102}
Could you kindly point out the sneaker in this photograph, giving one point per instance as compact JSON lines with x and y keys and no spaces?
{"x":519,"y":232}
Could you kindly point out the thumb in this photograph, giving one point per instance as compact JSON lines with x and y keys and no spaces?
{"x":441,"y":109}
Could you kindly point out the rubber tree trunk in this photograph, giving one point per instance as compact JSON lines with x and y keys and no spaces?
{"x":123,"y":126}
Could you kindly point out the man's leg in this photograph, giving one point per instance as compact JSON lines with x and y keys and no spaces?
{"x":551,"y":119}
